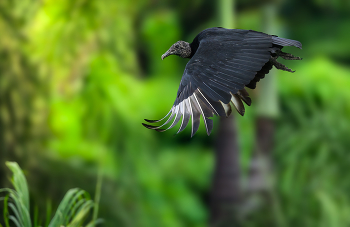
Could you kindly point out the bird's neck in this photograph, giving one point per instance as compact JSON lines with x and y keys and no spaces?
{"x":194,"y":46}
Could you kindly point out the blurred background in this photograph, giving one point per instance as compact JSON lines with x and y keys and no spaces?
{"x":77,"y":78}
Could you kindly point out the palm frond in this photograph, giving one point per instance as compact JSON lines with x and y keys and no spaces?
{"x":18,"y":201}
{"x":73,"y":210}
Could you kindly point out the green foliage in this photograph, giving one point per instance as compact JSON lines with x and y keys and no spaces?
{"x":312,"y":147}
{"x":73,"y":211}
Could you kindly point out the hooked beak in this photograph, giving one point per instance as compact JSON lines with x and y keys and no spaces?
{"x":166,"y":54}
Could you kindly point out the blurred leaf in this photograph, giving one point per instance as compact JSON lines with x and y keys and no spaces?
{"x":72,"y":212}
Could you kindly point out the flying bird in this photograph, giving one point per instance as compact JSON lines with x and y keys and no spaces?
{"x":222,"y":63}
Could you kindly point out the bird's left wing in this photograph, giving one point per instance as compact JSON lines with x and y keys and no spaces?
{"x":225,"y":61}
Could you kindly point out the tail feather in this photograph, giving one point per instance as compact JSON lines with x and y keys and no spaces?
{"x":286,"y":42}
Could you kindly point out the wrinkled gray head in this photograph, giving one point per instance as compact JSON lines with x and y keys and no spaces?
{"x":180,"y":48}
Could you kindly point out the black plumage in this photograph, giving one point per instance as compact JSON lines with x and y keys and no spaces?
{"x":222,"y":63}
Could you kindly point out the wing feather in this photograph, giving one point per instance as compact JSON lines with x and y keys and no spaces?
{"x":195,"y":115}
{"x":186,"y":116}
{"x":176,"y":119}
{"x":154,"y":121}
{"x":169,"y":119}
{"x":237,"y":103}
{"x":208,"y":122}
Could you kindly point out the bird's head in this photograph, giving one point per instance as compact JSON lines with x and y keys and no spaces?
{"x":180,"y":48}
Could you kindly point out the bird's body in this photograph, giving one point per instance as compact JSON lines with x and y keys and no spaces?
{"x":222,"y":63}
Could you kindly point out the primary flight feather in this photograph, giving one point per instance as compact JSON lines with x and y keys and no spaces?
{"x":222,"y":63}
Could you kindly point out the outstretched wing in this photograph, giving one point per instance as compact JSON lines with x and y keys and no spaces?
{"x":225,"y":61}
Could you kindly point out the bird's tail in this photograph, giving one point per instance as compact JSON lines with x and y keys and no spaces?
{"x":286,"y":42}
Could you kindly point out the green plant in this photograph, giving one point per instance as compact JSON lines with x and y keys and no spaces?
{"x":73,"y":211}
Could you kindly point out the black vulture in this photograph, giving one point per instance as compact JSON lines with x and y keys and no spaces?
{"x":222,"y":62}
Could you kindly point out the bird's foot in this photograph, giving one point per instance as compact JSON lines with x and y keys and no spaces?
{"x":287,"y":56}
{"x":279,"y":65}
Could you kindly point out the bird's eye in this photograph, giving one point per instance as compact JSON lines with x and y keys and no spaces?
{"x":177,"y":46}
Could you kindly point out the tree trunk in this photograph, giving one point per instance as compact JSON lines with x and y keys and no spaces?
{"x":225,"y":196}
{"x":260,"y":165}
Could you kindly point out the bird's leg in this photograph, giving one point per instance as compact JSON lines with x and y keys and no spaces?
{"x":280,"y":65}
{"x":287,"y":56}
